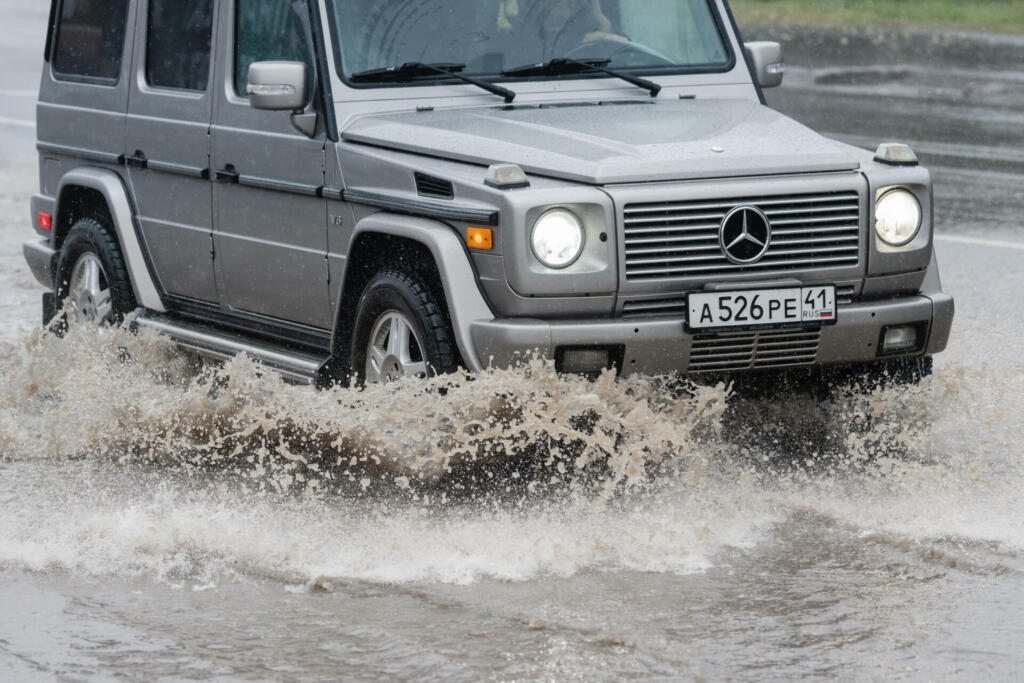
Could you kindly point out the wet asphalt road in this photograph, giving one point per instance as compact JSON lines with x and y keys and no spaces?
{"x":910,"y":568}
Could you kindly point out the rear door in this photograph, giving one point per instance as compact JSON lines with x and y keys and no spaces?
{"x":168,"y":142}
{"x":83,"y":95}
{"x":270,"y":220}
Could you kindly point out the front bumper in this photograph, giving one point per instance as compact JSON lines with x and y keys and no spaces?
{"x":664,"y":346}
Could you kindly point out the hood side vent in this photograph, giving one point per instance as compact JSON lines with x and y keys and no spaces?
{"x":429,"y":186}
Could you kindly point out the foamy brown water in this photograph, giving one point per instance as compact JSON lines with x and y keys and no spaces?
{"x":433,"y":530}
{"x":172,"y":469}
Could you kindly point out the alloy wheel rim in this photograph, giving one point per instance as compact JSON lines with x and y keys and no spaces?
{"x":89,"y":291}
{"x":394,"y":351}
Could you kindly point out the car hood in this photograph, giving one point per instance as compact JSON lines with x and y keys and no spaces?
{"x":602,"y":143}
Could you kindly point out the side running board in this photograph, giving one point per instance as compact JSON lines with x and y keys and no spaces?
{"x":294,"y":366}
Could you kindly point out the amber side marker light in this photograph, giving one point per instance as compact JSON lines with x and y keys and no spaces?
{"x":479,"y":238}
{"x":45,"y":221}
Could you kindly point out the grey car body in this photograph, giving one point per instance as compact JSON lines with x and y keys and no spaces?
{"x":257,"y":230}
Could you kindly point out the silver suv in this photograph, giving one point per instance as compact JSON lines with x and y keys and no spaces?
{"x":397,"y":188}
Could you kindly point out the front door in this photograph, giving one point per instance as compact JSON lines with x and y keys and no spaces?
{"x":270,"y":223}
{"x":168,"y":142}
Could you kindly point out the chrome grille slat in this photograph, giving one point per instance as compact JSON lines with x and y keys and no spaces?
{"x":654,"y":308}
{"x":781,"y":267}
{"x":681,"y":239}
{"x":658,"y":250}
{"x":664,"y":240}
{"x":815,"y":240}
{"x":760,"y":201}
{"x":844,"y":295}
{"x":822,"y":219}
{"x":673,"y":229}
{"x":784,"y":346}
{"x":754,"y":350}
{"x":817,"y":230}
{"x":820,"y":209}
{"x":783,"y":252}
{"x":672,"y":219}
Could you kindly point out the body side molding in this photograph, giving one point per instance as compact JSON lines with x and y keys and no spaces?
{"x":419,"y":207}
{"x":82,"y":153}
{"x":466,"y":305}
{"x":110,"y":185}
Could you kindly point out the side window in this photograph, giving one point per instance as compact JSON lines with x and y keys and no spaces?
{"x":269,"y":30}
{"x":178,"y":39}
{"x":90,"y":39}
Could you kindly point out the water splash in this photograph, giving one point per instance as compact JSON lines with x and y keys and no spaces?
{"x":123,"y":455}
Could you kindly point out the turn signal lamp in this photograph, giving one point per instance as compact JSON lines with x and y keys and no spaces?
{"x":506,"y":177}
{"x":479,"y":238}
{"x":895,"y":154}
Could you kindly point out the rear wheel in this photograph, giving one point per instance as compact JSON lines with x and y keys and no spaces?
{"x":93,"y":281}
{"x":401,"y":331}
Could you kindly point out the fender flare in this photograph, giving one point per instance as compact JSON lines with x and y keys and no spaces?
{"x":111,"y":186}
{"x":466,"y":305}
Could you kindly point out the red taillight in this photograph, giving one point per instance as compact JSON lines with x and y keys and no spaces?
{"x":45,"y":221}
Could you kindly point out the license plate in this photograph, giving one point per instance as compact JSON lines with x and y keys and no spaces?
{"x":762,"y":308}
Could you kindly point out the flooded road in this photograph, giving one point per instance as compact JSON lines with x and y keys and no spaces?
{"x":159,"y":521}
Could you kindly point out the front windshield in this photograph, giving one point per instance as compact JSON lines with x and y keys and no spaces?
{"x":491,"y":36}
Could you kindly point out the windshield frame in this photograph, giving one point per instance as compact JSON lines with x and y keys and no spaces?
{"x":714,"y":6}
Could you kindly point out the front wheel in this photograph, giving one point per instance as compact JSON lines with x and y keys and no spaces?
{"x":401,"y":331}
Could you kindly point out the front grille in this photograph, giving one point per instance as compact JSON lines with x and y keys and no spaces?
{"x":845,"y":294}
{"x":654,"y":308}
{"x":731,"y":351}
{"x":681,"y":239}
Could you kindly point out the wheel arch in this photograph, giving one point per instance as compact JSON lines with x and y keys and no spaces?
{"x":101,"y":194}
{"x":386,"y":239}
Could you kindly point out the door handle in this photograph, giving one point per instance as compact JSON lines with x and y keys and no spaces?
{"x":227,"y":174}
{"x":137,"y":160}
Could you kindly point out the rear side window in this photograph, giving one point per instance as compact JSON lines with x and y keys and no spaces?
{"x":178,"y":39}
{"x":90,"y":39}
{"x":266,"y":31}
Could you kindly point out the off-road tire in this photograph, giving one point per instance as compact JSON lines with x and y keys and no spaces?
{"x":89,"y":235}
{"x":391,"y":290}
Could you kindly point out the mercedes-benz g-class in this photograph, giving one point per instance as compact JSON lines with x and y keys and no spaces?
{"x":397,"y":188}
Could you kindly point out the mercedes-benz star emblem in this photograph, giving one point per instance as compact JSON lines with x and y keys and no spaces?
{"x":745,"y":235}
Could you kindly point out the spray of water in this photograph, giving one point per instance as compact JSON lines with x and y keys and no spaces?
{"x":120,"y":455}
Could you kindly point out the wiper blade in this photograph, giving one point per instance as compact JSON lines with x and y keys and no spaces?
{"x":412,"y":70}
{"x":406,"y":71}
{"x":561,"y":66}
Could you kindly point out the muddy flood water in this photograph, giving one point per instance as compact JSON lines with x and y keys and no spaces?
{"x":165,"y":520}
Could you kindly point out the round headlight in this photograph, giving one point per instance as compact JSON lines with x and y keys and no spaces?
{"x":897,"y":217}
{"x":557,"y":238}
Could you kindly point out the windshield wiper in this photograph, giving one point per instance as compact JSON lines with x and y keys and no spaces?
{"x":412,"y":70}
{"x":561,"y":66}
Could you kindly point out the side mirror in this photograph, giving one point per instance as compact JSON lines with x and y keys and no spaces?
{"x":766,"y":60}
{"x":278,"y":86}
